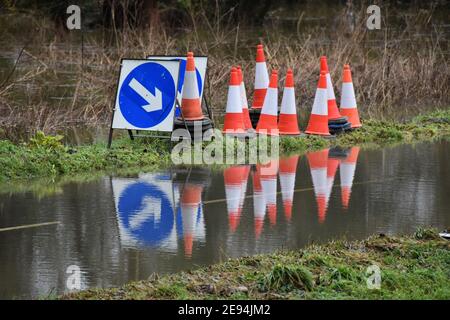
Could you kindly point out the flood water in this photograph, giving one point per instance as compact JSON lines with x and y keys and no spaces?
{"x":119,"y":229}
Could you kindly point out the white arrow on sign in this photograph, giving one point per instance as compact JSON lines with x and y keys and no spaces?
{"x":154,"y":101}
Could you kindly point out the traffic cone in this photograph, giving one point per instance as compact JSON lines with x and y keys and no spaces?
{"x":347,"y":170}
{"x":190,"y":202}
{"x":261,"y":78}
{"x":259,"y":204}
{"x":268,"y":173}
{"x":318,"y":167}
{"x":267,"y":123}
{"x":318,"y":121}
{"x":288,"y":123}
{"x":191,"y":106}
{"x":234,"y":121}
{"x":332,"y":165}
{"x":288,"y":169}
{"x":233,"y":189}
{"x":244,"y":103}
{"x":348,"y":100}
{"x":333,"y":111}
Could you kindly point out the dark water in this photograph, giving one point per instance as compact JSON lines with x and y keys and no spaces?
{"x":121,"y":229}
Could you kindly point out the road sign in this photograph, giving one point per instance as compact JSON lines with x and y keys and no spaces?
{"x":201,"y":63}
{"x":146,"y":95}
{"x":145,"y":211}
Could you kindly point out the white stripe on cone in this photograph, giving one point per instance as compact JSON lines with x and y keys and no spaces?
{"x":234,"y":104}
{"x":347,"y":173}
{"x":261,"y":75}
{"x":330,"y":90}
{"x":244,"y":101}
{"x":319,"y":179}
{"x":288,"y":101}
{"x":270,"y":105}
{"x":320,"y":105}
{"x":348,"y":99}
{"x":190,"y":88}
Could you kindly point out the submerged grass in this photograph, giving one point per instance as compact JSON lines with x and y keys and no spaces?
{"x":412,"y":267}
{"x":46,"y":156}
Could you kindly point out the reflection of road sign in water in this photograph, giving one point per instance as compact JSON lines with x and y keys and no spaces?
{"x":200,"y":69}
{"x":146,"y":95}
{"x":146,"y":213}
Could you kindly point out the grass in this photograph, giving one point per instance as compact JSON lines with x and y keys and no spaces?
{"x":46,"y":156}
{"x":412,"y":267}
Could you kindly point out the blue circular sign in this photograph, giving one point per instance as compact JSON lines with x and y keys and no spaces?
{"x":147,"y":95}
{"x":132,"y":202}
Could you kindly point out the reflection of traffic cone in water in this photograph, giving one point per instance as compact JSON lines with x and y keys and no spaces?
{"x":318,"y":166}
{"x":333,"y":111}
{"x":288,"y":123}
{"x":245,"y":174}
{"x":267,"y":123}
{"x":259,"y":203}
{"x":261,"y":78}
{"x":332,"y":165}
{"x":190,"y":97}
{"x":244,"y":102}
{"x":347,"y":172}
{"x":288,"y":168}
{"x":233,"y":189}
{"x":318,"y":121}
{"x":190,"y":202}
{"x":348,"y":100}
{"x":268,"y":173}
{"x":234,"y":122}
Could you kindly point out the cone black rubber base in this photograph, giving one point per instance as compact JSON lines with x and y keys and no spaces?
{"x":337,"y":121}
{"x":338,"y":153}
{"x":339,"y":128}
{"x":205,"y":123}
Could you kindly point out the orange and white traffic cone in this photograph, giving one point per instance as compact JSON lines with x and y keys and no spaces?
{"x":268,"y":173}
{"x":347,"y":170}
{"x":318,"y":121}
{"x":233,"y":189}
{"x":288,"y":123}
{"x":190,"y":202}
{"x":288,"y":169}
{"x":234,"y":122}
{"x":259,"y":204}
{"x":244,"y":102}
{"x":191,"y":106}
{"x":261,"y":78}
{"x":267,"y":123}
{"x":332,"y":165}
{"x":333,"y":111}
{"x":348,"y":100}
{"x":318,"y":166}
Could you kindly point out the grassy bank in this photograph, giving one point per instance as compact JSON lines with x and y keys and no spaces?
{"x":412,"y":267}
{"x":46,"y":156}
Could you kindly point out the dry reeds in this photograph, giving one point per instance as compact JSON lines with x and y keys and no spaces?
{"x":395,"y":75}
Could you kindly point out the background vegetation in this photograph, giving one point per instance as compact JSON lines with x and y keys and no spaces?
{"x":52,"y":79}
